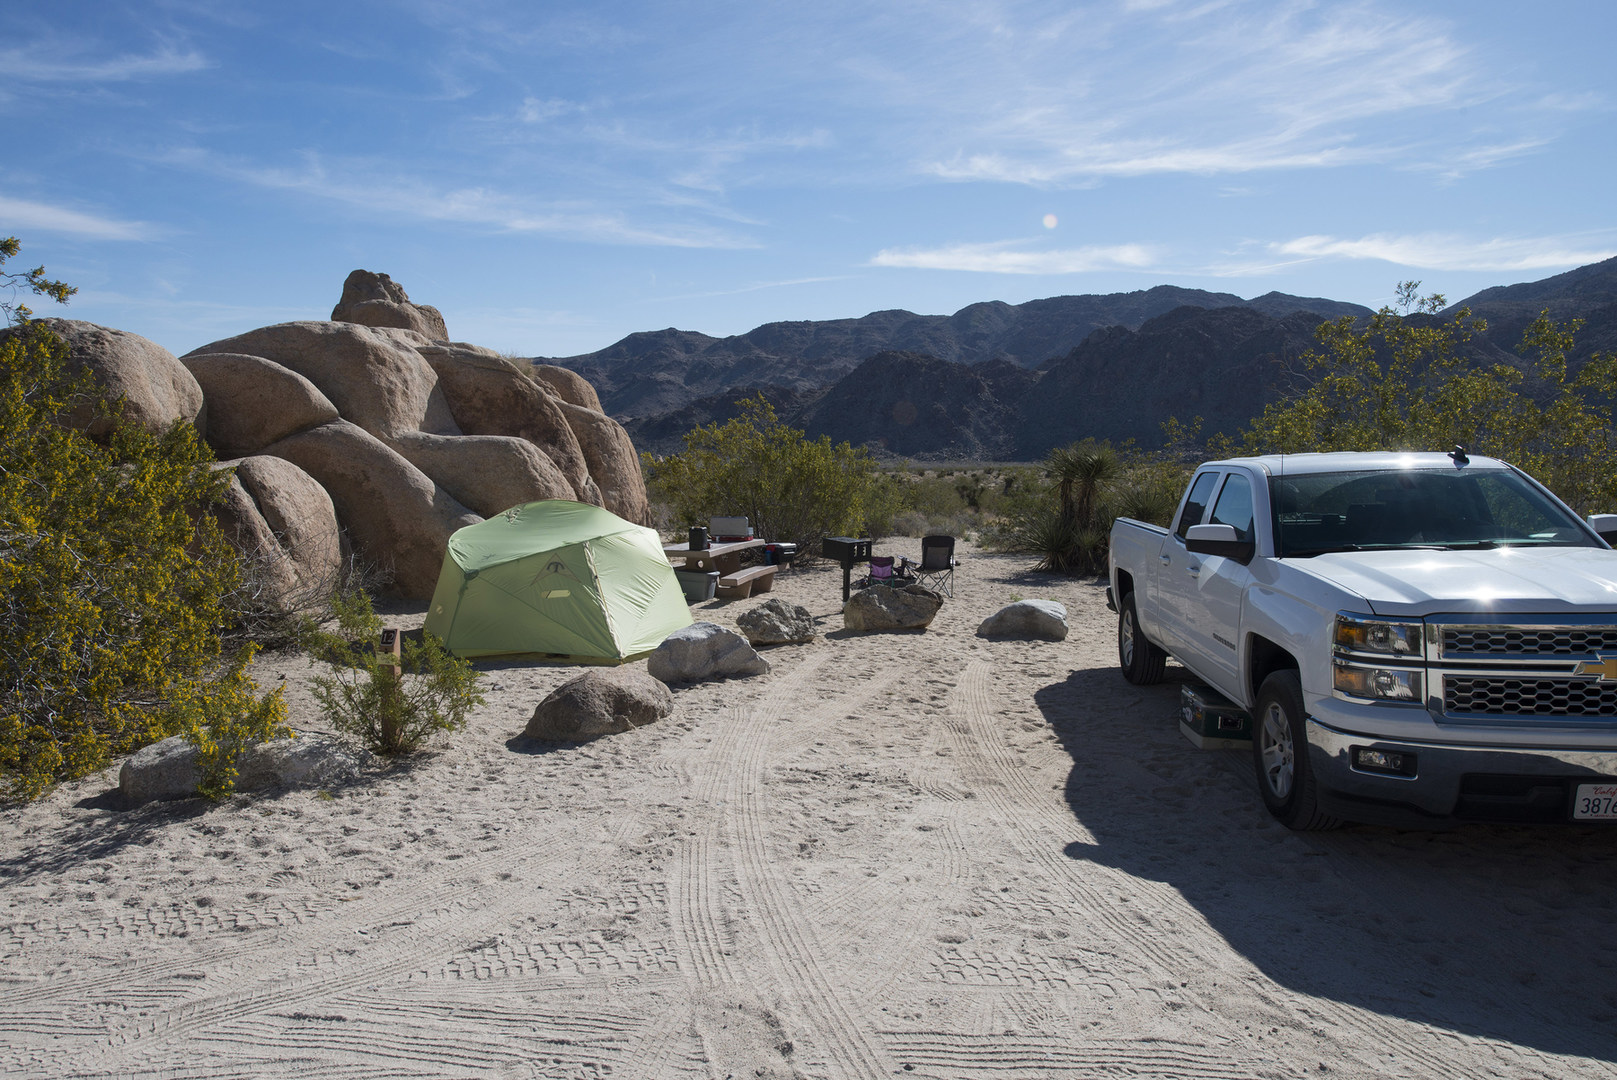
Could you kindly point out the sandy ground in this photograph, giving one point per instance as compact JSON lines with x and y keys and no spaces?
{"x":921,"y":855}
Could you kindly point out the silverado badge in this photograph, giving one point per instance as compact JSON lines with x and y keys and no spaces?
{"x":1604,"y":671}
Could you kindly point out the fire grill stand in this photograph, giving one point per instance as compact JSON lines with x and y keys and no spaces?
{"x":847,"y":551}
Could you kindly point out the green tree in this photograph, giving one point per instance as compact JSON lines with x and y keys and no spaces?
{"x":34,"y":281}
{"x":1402,"y":382}
{"x":112,"y":578}
{"x":790,"y":488}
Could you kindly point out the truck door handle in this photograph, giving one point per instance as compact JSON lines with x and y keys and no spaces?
{"x":1193,"y":569}
{"x":1165,"y":559}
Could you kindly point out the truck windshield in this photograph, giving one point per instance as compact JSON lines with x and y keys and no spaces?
{"x":1414,"y":508}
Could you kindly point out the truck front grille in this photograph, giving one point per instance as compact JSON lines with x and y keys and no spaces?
{"x":1495,"y":695}
{"x":1524,"y":669}
{"x":1528,"y":641}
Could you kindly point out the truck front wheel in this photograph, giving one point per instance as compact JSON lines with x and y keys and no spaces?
{"x":1141,"y":661}
{"x":1280,"y":755}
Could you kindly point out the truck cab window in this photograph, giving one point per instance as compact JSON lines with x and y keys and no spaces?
{"x":1196,"y":505}
{"x":1234,"y":506}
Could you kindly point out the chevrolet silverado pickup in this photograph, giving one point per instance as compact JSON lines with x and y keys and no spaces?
{"x":1418,"y":638}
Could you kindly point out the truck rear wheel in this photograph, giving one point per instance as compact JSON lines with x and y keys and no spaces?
{"x":1280,"y":755}
{"x":1141,"y":661}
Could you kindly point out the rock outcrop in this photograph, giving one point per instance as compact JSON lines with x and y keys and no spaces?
{"x":155,"y":387}
{"x":397,"y":517}
{"x":255,"y":402}
{"x":285,"y":526}
{"x":372,"y":299}
{"x":570,"y":386}
{"x":411,"y":435}
{"x":386,"y":432}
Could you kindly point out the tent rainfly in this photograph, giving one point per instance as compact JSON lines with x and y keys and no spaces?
{"x":556,"y":577}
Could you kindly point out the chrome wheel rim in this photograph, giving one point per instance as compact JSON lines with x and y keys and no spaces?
{"x":1125,"y":638}
{"x":1275,"y":749}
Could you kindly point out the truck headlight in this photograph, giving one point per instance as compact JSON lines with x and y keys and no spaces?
{"x":1380,"y":684}
{"x":1361,"y":635}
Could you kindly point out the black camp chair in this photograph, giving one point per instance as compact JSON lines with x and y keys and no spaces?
{"x":936,"y":568}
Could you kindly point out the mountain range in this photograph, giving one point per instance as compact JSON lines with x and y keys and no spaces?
{"x":997,"y":381}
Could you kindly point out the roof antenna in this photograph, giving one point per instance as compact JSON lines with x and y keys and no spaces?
{"x":1458,"y":454}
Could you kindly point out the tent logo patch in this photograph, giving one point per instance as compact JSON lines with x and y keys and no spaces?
{"x":552,"y":580}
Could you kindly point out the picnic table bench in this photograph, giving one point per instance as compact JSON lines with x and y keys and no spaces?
{"x":743,"y":583}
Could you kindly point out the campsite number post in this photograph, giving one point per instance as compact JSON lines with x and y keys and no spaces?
{"x":390,"y":645}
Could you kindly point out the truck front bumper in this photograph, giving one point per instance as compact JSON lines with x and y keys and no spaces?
{"x":1451,"y":783}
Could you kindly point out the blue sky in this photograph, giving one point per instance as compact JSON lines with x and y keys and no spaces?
{"x":556,"y":175}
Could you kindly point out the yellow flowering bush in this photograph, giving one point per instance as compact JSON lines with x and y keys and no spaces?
{"x":112,"y":577}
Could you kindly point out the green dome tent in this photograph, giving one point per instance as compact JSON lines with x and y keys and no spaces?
{"x":556,"y":577}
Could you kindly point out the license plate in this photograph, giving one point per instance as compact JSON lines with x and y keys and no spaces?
{"x":1595,"y":802}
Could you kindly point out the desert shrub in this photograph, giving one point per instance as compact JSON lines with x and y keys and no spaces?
{"x":1402,"y":383}
{"x":112,"y":579}
{"x":390,"y":713}
{"x":1068,"y":532}
{"x":961,"y":504}
{"x":1064,"y":512}
{"x":791,"y":488}
{"x":1148,"y":489}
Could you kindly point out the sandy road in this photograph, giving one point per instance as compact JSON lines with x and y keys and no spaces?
{"x":896,"y":855}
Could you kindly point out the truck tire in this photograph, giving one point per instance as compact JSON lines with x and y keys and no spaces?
{"x":1141,"y":661}
{"x":1280,"y":755}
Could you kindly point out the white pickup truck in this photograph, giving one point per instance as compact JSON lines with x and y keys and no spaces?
{"x":1418,"y":638}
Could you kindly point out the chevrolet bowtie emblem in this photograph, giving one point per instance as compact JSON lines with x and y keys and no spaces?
{"x":1604,"y":671}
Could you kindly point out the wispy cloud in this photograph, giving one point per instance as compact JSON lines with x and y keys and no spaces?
{"x":1009,"y":258}
{"x":1435,"y":251}
{"x":388,"y":190}
{"x":1126,"y":160}
{"x":1218,"y":88}
{"x":37,"y":64}
{"x":22,"y":215}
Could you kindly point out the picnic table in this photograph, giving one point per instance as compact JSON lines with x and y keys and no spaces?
{"x":725,"y":557}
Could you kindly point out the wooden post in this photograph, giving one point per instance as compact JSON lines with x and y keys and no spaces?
{"x":391,"y":686}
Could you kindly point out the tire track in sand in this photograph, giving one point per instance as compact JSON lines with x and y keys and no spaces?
{"x":1038,"y":824}
{"x":414,"y":924}
{"x":793,"y":953}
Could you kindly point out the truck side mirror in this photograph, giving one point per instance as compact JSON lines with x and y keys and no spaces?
{"x":1220,"y":540}
{"x":1606,"y":526}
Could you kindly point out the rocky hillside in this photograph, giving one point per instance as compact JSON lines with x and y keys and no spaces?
{"x":654,"y":373}
{"x":997,"y":381}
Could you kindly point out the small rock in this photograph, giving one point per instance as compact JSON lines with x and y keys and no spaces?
{"x":306,"y":760}
{"x":1044,"y":619}
{"x":168,"y":769}
{"x":703,"y":651}
{"x":777,"y":622}
{"x":600,"y":702}
{"x":163,"y":770}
